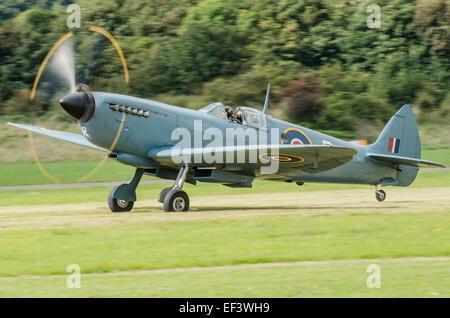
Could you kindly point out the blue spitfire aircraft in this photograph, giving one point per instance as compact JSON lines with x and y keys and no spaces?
{"x":140,"y":133}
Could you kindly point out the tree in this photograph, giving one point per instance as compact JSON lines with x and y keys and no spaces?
{"x":304,"y":98}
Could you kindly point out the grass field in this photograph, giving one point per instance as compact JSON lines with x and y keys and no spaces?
{"x":276,"y":240}
{"x":346,"y":279}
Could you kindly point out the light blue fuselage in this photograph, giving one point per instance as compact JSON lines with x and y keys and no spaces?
{"x":141,"y":134}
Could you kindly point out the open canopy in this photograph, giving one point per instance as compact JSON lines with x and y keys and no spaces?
{"x":250,"y":116}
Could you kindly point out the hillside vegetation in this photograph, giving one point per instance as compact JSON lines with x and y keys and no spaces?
{"x":328,"y":70}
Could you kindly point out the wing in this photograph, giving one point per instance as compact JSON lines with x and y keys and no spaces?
{"x":73,"y":138}
{"x":388,"y":159}
{"x":249,"y":158}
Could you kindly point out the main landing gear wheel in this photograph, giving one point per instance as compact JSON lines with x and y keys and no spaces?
{"x":380,"y":195}
{"x":176,"y":201}
{"x":163,"y":193}
{"x":122,"y":197}
{"x":116,"y":205}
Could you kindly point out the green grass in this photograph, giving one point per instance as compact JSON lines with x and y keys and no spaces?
{"x":322,"y":280}
{"x":438,"y":155}
{"x":352,"y":235}
{"x":276,"y":238}
{"x":67,"y":172}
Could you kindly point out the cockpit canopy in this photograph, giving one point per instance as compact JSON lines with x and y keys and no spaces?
{"x":253,"y":117}
{"x":215,"y":109}
{"x":250,"y":117}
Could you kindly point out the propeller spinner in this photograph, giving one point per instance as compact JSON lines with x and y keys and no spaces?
{"x":80,"y":104}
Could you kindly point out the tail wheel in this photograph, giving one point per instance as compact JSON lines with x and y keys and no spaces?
{"x":176,"y":201}
{"x":116,"y":205}
{"x":380,"y":195}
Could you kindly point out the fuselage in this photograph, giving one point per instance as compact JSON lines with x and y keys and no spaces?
{"x":140,"y":134}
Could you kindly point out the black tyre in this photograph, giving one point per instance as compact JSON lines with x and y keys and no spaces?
{"x":116,"y":205}
{"x":380,"y":195}
{"x":162,"y":194}
{"x":176,"y":201}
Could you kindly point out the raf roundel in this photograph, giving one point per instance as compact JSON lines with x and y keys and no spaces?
{"x":281,"y":158}
{"x":295,"y":136}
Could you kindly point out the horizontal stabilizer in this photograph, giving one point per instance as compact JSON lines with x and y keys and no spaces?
{"x":61,"y":135}
{"x":403,"y":161}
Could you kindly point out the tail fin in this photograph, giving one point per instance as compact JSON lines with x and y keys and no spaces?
{"x":399,"y":139}
{"x":399,"y":145}
{"x":400,"y":136}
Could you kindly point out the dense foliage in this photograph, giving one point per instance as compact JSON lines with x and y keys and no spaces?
{"x":325,"y":65}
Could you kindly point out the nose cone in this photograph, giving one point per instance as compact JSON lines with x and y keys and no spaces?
{"x":80,"y":106}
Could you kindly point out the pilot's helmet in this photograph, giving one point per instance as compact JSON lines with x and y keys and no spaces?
{"x":229,"y":110}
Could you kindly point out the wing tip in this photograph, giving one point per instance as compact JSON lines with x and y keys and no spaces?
{"x":15,"y":125}
{"x":21,"y":126}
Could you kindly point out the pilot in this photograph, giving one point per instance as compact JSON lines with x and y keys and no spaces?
{"x":229,"y":112}
{"x":240,"y":117}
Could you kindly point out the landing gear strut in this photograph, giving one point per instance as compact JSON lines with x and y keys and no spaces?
{"x":175,"y":199}
{"x":122,"y":197}
{"x":380,"y":194}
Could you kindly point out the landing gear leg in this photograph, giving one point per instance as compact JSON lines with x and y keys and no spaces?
{"x":175,"y":199}
{"x":122,"y":197}
{"x":380,"y":194}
